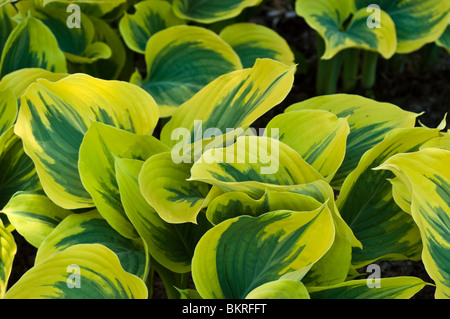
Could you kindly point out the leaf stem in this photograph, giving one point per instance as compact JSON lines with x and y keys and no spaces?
{"x":369,"y":67}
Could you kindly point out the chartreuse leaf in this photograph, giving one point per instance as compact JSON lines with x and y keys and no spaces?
{"x":31,"y":44}
{"x":343,"y":27}
{"x":319,"y":136}
{"x":94,"y":268}
{"x":76,"y":43}
{"x":426,"y":175}
{"x":96,"y":8}
{"x":8,"y":250}
{"x":253,"y":159}
{"x":366,"y":202}
{"x":444,"y":40}
{"x":8,"y":110}
{"x":33,"y":215}
{"x":210,"y":11}
{"x":18,"y":81}
{"x":165,"y":186}
{"x":280,"y":289}
{"x":252,"y":41}
{"x":17,"y":169}
{"x":390,"y":288}
{"x":369,"y":122}
{"x":232,"y":101}
{"x":416,"y":22}
{"x":181,"y":60}
{"x":242,"y":253}
{"x":442,"y":141}
{"x":54,"y":117}
{"x":100,"y":145}
{"x":6,"y":23}
{"x":235,"y":204}
{"x":172,"y":245}
{"x":110,"y":68}
{"x":92,"y":228}
{"x":149,"y":18}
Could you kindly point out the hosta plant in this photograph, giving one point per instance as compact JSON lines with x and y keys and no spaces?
{"x":115,"y":173}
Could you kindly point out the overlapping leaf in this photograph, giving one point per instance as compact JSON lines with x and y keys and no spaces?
{"x":243,"y":253}
{"x":54,"y":117}
{"x":8,"y":250}
{"x":426,"y":176}
{"x":181,"y":60}
{"x":100,"y":277}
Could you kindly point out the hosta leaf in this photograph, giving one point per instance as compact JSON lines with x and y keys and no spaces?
{"x":112,"y":67}
{"x":100,"y":145}
{"x":149,"y":18}
{"x":367,"y":205}
{"x":91,"y":228}
{"x":100,"y":277}
{"x":444,"y":40}
{"x":210,"y":11}
{"x":54,"y":117}
{"x":8,"y":110}
{"x":242,"y":253}
{"x":33,"y":215}
{"x":442,"y":142}
{"x":252,"y":41}
{"x":233,"y":100}
{"x":181,"y":60}
{"x":320,"y":137}
{"x":369,"y":122}
{"x":18,"y":81}
{"x":76,"y":43}
{"x":31,"y":44}
{"x":17,"y":169}
{"x":390,"y":288}
{"x":235,"y":204}
{"x":329,"y":19}
{"x":172,"y":245}
{"x":97,"y":8}
{"x":8,"y":250}
{"x":280,"y":289}
{"x":253,"y":159}
{"x":417,"y":22}
{"x":164,"y":185}
{"x":6,"y":23}
{"x":426,"y":176}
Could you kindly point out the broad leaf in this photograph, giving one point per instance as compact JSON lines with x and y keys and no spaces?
{"x":33,"y":215}
{"x":320,"y":137}
{"x":8,"y":250}
{"x":210,"y":11}
{"x":54,"y":117}
{"x":8,"y":110}
{"x":91,"y":228}
{"x":100,"y":146}
{"x":369,"y":122}
{"x":31,"y":45}
{"x":426,"y":177}
{"x":390,"y":288}
{"x":172,"y":245}
{"x":149,"y":18}
{"x":280,"y":289}
{"x":232,"y":101}
{"x":165,"y":186}
{"x":417,"y":22}
{"x":242,"y":253}
{"x":95,"y":269}
{"x":329,"y":18}
{"x":181,"y":60}
{"x":367,"y":205}
{"x":252,"y":41}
